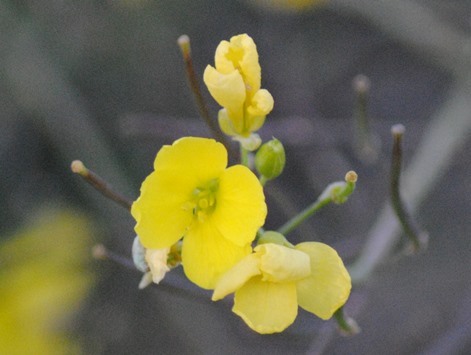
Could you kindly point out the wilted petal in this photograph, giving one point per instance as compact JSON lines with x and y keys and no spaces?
{"x":157,"y":261}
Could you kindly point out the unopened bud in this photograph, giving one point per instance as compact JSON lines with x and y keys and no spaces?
{"x":275,"y":238}
{"x":270,"y":159}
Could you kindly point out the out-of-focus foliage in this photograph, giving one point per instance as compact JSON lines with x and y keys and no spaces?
{"x":289,"y":5}
{"x":43,"y":279}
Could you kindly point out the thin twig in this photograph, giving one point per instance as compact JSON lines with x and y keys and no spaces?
{"x":184,"y":43}
{"x":418,"y":238}
{"x":99,"y":184}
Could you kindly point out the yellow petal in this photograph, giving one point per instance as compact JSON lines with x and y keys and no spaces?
{"x":237,"y":276}
{"x":161,"y":220}
{"x":241,"y":208}
{"x":260,"y":106}
{"x":266,"y":307}
{"x":222,"y":60}
{"x":328,"y":286}
{"x":240,"y":53}
{"x":160,"y":212}
{"x":201,"y":159}
{"x":229,"y":92}
{"x":282,"y":264}
{"x":225,"y":123}
{"x":206,"y":254}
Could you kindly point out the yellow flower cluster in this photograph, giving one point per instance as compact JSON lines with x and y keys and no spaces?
{"x":214,"y":212}
{"x":235,"y":83}
{"x":270,"y":283}
{"x":44,"y":280}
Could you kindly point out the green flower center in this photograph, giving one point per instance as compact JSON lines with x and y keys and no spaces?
{"x":203,"y":199}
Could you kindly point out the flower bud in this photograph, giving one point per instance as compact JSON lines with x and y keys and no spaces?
{"x":270,"y":159}
{"x":274,"y":238}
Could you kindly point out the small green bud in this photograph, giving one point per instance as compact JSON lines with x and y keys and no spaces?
{"x":275,"y":238}
{"x":270,"y":159}
{"x":339,"y":192}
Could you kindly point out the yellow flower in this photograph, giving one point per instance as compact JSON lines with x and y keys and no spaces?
{"x":191,"y":194}
{"x":235,"y":84}
{"x":44,"y":278}
{"x":270,"y":284}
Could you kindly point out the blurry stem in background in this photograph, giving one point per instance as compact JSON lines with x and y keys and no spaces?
{"x":336,"y":192}
{"x":366,"y":142}
{"x":447,"y":131}
{"x":99,"y":184}
{"x":100,"y":252}
{"x":417,"y":238}
{"x":418,"y":28}
{"x":347,"y":326}
{"x":184,"y":44}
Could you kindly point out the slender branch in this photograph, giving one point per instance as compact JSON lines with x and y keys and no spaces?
{"x":184,"y":43}
{"x":417,"y":237}
{"x":100,"y":252}
{"x":336,"y":192}
{"x":99,"y":184}
{"x":447,"y":132}
{"x":366,"y":143}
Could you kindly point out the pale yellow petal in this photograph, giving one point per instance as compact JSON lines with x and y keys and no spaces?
{"x":240,"y":54}
{"x":249,"y":65}
{"x":233,"y":279}
{"x":206,"y":255}
{"x":225,"y":123}
{"x":261,"y":103}
{"x":229,"y":92}
{"x":266,"y":307}
{"x":222,"y":62}
{"x":157,"y":261}
{"x":241,"y":208}
{"x":328,"y":286}
{"x":161,"y":211}
{"x":281,"y":264}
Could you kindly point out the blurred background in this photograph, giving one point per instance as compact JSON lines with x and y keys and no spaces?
{"x":103,"y":81}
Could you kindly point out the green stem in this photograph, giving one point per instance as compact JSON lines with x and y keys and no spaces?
{"x":347,"y":325}
{"x":244,"y":156}
{"x":337,"y":192}
{"x":294,"y":222}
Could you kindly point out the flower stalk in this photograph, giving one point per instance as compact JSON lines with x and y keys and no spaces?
{"x":337,"y":192}
{"x":99,"y":184}
{"x":365,"y":143}
{"x":417,"y":238}
{"x":184,"y":44}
